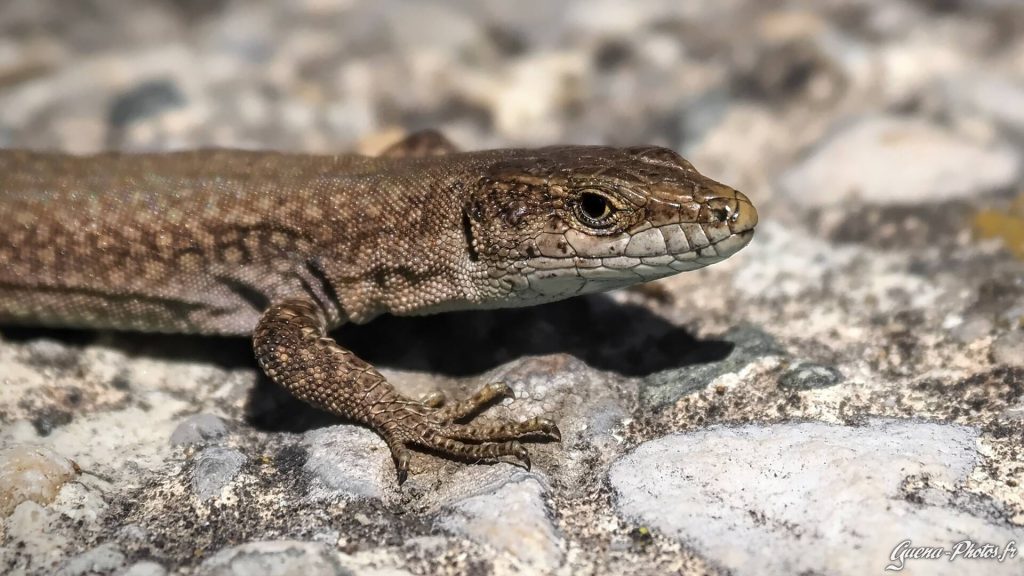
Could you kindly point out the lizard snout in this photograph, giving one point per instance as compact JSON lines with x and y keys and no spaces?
{"x":744,"y":217}
{"x":730,"y":208}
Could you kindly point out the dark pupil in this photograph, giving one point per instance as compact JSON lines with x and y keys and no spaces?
{"x":594,"y":205}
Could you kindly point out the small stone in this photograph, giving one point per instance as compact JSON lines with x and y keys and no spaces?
{"x":348,"y":461}
{"x":807,"y":376}
{"x":46,"y":353}
{"x":215,"y":468}
{"x":514,"y":500}
{"x":1008,"y":348}
{"x":891,"y":161}
{"x":274,"y":558}
{"x":102,"y":559}
{"x":738,"y":348}
{"x":994,"y":96}
{"x":972,"y":329}
{"x":144,"y":568}
{"x":33,"y":473}
{"x":145,"y":101}
{"x":198,"y":429}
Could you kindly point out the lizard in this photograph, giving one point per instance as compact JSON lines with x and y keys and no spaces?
{"x":285,"y":247}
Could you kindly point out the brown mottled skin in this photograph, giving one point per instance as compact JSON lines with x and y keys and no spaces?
{"x":284,"y":247}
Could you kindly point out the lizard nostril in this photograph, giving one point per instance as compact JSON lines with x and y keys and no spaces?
{"x":718,"y":211}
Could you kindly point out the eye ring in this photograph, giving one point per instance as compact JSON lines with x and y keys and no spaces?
{"x":595,"y":209}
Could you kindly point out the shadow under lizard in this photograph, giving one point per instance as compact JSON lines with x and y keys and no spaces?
{"x":286,"y":247}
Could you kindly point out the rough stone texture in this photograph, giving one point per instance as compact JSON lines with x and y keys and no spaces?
{"x":347,"y":462}
{"x":215,"y":468}
{"x":808,"y":491}
{"x":900,"y":161}
{"x":866,"y":347}
{"x":274,"y":558}
{"x":511,"y":517}
{"x":198,"y":429}
{"x":33,"y":473}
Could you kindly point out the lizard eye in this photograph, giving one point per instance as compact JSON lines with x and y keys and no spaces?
{"x":594,"y":209}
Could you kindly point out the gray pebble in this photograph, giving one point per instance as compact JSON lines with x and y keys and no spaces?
{"x":145,"y":101}
{"x":101,"y":559}
{"x":807,"y":376}
{"x":144,"y":568}
{"x":215,"y":468}
{"x":274,"y":558}
{"x":198,"y":429}
{"x":1008,"y":348}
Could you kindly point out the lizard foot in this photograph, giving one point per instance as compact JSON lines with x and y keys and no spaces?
{"x":431,"y":424}
{"x":293,"y":349}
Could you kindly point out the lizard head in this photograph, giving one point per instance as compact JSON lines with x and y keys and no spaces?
{"x":571,"y":220}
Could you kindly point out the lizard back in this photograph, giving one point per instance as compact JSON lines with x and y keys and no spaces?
{"x":199,"y":241}
{"x":205,"y":241}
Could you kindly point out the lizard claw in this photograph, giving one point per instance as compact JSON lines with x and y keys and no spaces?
{"x":520,"y":453}
{"x":549,"y":429}
{"x":402,"y":457}
{"x":502,"y":390}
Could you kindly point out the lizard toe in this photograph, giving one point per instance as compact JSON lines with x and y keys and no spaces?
{"x":435,"y":399}
{"x":484,"y":397}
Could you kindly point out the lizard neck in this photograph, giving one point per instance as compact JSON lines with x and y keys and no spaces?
{"x":399,"y":244}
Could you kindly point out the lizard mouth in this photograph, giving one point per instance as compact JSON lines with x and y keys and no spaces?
{"x":564,"y":277}
{"x":594,"y":264}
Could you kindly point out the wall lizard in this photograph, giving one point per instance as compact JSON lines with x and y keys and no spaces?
{"x":283,"y":248}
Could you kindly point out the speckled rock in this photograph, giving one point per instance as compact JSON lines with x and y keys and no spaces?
{"x":274,"y":558}
{"x":100,"y":560}
{"x":215,"y":468}
{"x":510,"y":516}
{"x":789,"y":498}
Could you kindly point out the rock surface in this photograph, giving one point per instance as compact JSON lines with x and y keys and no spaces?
{"x":898,"y":161}
{"x":807,"y":491}
{"x":851,"y":380}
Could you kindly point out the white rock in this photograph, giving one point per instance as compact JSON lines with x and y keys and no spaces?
{"x":274,"y":558}
{"x":808,"y":497}
{"x":215,"y":468}
{"x":888,"y":160}
{"x":145,"y":568}
{"x":998,"y":97}
{"x":511,"y":517}
{"x":1008,"y":348}
{"x":348,"y":461}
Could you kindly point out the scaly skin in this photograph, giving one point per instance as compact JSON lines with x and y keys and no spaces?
{"x":286,"y":247}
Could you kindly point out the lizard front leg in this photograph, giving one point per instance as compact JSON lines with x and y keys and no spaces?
{"x":294,"y":351}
